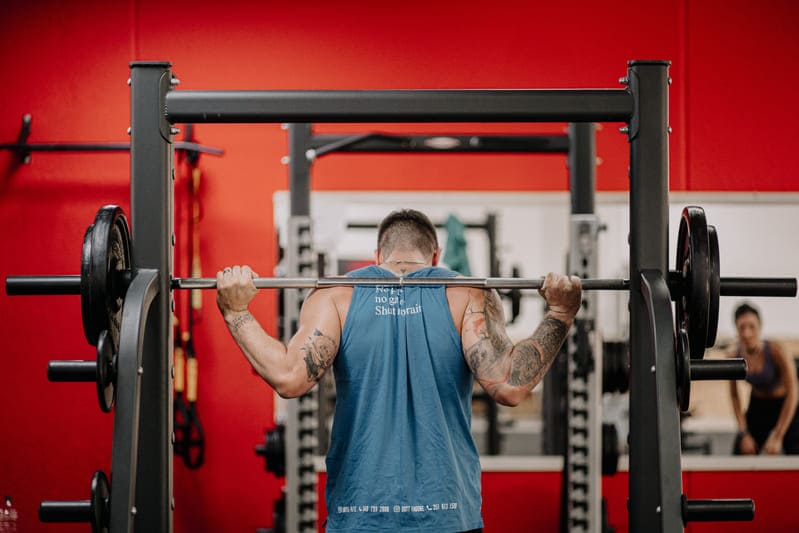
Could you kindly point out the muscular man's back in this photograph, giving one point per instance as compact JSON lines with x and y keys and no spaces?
{"x":458,"y":298}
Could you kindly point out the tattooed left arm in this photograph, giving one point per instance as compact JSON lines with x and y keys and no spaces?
{"x":294,"y":369}
{"x":507,"y":371}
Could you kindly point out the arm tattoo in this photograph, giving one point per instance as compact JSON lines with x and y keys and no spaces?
{"x":319,"y":350}
{"x":534,"y":355}
{"x":239,"y":321}
{"x":495,"y":360}
{"x":487,"y":353}
{"x":551,"y":334}
{"x":526,"y":364}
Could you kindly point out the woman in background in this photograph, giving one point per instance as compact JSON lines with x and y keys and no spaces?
{"x":769,"y":425}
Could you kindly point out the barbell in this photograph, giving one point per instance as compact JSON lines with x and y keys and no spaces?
{"x":71,"y":284}
{"x":106,"y":273}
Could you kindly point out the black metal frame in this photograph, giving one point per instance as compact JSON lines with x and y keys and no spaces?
{"x":655,"y":469}
{"x":130,"y":439}
{"x":655,"y":481}
{"x":388,"y":143}
{"x":542,"y":105}
{"x":151,"y":202}
{"x":23,"y":149}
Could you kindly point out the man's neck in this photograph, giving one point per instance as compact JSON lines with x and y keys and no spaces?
{"x":402,"y":265}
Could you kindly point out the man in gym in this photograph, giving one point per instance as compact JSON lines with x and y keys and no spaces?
{"x":401,"y":456}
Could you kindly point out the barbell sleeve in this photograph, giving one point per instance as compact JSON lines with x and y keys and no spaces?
{"x":758,"y":287}
{"x":713,"y":369}
{"x":65,"y":511}
{"x":717,"y":510}
{"x":42,"y":285}
{"x":72,"y":371}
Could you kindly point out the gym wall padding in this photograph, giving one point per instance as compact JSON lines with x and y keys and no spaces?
{"x":732,"y":112}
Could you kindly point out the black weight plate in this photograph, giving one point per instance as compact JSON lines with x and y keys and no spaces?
{"x":683,"y":363}
{"x":106,"y":378}
{"x":118,"y":260}
{"x":693,"y":261}
{"x":616,"y":370}
{"x":106,"y":249}
{"x":714,"y":288}
{"x":276,"y":451}
{"x":610,"y":449}
{"x":607,"y":372}
{"x":624,"y":367}
{"x":99,"y":503}
{"x":90,"y":328}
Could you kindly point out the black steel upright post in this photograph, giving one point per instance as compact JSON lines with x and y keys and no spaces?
{"x":299,"y":140}
{"x":582,"y":167}
{"x":655,"y":471}
{"x":151,"y":188}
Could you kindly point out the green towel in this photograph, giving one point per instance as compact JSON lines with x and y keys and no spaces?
{"x":455,"y":255}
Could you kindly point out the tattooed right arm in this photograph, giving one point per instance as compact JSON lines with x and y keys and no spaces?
{"x":506,"y":371}
{"x":293,"y":369}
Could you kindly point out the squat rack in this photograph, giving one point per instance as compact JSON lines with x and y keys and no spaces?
{"x":655,"y":482}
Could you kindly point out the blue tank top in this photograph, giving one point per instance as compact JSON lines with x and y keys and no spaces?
{"x":769,"y":377}
{"x":402,"y":457}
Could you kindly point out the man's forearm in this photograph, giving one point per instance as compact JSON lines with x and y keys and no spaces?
{"x":532,"y":357}
{"x":507,"y":371}
{"x":266,"y":355}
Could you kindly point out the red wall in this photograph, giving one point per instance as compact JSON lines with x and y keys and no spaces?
{"x":66,"y":63}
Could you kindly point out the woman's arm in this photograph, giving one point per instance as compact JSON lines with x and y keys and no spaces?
{"x":789,"y":380}
{"x":736,"y":406}
{"x":746,"y":443}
